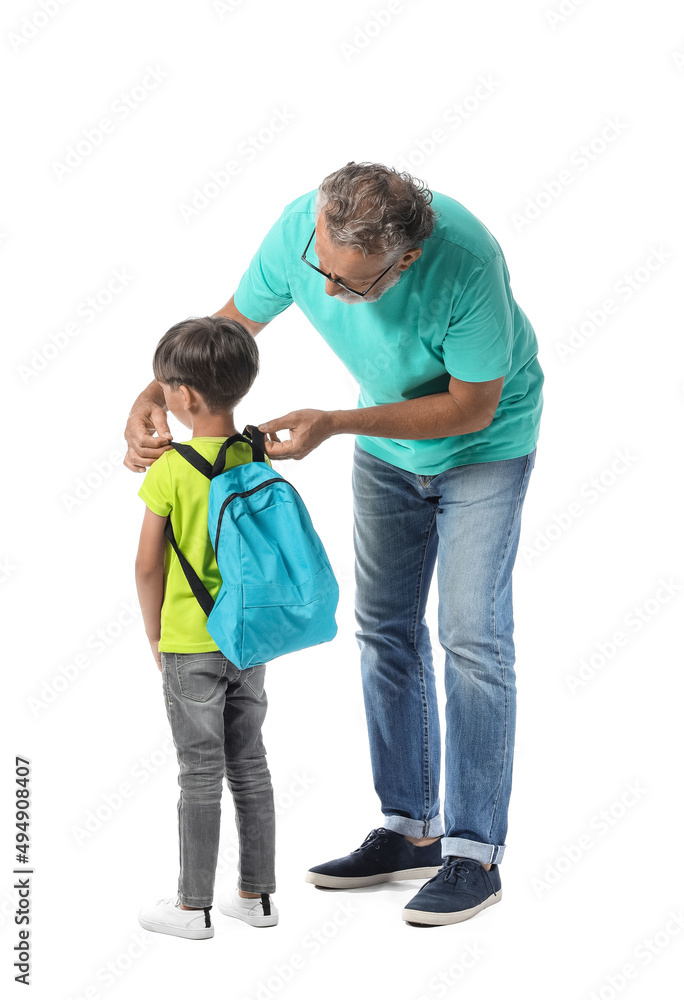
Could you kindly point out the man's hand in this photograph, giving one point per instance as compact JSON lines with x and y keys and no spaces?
{"x":308,"y":429}
{"x":147,"y":415}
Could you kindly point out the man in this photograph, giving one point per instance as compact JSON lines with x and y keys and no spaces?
{"x":447,"y":423}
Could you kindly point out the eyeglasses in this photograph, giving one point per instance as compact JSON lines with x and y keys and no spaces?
{"x":337,"y":280}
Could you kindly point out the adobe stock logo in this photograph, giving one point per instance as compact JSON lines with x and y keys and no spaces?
{"x":99,"y":641}
{"x":632,"y":624}
{"x":453,"y":116}
{"x":32,"y":24}
{"x":557,"y":16}
{"x":599,"y":826}
{"x":642,"y":955}
{"x":364,"y":34}
{"x":119,"y":110}
{"x":579,"y":161}
{"x":223,"y":176}
{"x":86,"y":311}
{"x":223,"y":7}
{"x":7,"y":568}
{"x":589,"y":493}
{"x":624,"y":289}
{"x":98,"y":473}
{"x":283,"y":973}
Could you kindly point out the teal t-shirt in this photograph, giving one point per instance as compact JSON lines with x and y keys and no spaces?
{"x":451,"y":313}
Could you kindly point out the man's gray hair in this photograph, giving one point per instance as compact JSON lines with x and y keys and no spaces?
{"x":375,"y":209}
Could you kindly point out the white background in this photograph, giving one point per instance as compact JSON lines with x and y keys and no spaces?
{"x":581,"y":894}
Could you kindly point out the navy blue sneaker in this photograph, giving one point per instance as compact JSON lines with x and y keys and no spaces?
{"x":459,"y":890}
{"x":384,"y":856}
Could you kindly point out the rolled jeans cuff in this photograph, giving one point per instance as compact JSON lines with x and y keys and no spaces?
{"x":204,"y":901}
{"x":458,"y":847}
{"x":254,"y":887}
{"x":415,"y":827}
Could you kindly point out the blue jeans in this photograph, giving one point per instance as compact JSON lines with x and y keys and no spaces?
{"x":467,"y":519}
{"x":216,"y":712}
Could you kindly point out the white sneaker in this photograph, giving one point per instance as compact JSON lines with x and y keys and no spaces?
{"x":260,"y":912}
{"x":166,"y":917}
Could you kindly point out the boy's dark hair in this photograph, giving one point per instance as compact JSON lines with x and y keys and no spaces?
{"x":214,"y":355}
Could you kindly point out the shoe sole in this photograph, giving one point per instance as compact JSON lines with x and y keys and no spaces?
{"x":255,"y":921}
{"x":428,"y":918}
{"x":186,"y":932}
{"x":348,"y":882}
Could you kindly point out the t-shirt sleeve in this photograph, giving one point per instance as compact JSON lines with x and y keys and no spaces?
{"x":478,"y":345}
{"x":156,"y":488}
{"x":264,"y":289}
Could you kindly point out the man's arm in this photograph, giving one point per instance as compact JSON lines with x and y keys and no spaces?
{"x":465,"y":408}
{"x":230,"y":311}
{"x":149,"y":577}
{"x":148,"y":413}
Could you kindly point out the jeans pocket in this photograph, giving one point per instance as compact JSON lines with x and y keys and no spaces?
{"x":254,"y":679}
{"x":199,"y":674}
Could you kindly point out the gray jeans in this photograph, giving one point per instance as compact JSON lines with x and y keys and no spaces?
{"x":216,"y":712}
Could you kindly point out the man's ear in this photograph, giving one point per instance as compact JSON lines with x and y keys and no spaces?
{"x":409,"y":257}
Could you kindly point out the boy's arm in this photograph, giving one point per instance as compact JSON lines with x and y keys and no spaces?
{"x":149,"y":577}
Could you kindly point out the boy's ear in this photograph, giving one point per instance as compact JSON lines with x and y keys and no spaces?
{"x":187,"y":395}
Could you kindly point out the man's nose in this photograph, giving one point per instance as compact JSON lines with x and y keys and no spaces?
{"x":332,"y":288}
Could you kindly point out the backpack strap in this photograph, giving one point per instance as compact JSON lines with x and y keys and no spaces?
{"x":196,"y":460}
{"x":220,"y":463}
{"x":200,"y":463}
{"x":257,"y":439}
{"x":199,"y":590}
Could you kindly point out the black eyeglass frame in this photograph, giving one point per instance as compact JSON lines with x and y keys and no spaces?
{"x":337,"y":280}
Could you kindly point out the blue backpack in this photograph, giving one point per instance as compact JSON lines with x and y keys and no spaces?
{"x":279,"y":593}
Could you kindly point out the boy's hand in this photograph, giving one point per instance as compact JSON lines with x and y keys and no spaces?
{"x":155,"y":652}
{"x":308,"y":429}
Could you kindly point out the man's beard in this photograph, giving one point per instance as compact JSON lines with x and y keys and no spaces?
{"x":390,"y":279}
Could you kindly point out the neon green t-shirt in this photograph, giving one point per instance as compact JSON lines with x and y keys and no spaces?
{"x":451,"y":313}
{"x":172,"y":486}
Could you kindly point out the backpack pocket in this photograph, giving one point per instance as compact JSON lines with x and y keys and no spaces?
{"x":279,"y":620}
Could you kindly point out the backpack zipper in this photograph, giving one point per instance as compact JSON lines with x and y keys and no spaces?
{"x":246,"y":493}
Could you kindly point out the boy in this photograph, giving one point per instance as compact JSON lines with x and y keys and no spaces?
{"x":204,"y":366}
